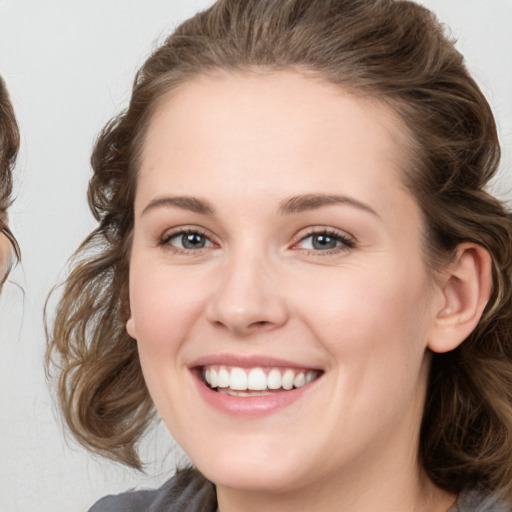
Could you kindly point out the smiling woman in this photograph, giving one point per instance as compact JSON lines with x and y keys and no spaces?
{"x":9,"y":145}
{"x":297,"y":264}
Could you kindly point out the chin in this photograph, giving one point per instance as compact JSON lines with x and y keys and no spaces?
{"x":247,"y":477}
{"x":256,"y":470}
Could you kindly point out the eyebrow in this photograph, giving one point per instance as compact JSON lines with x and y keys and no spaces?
{"x":192,"y":204}
{"x":300,"y":203}
{"x":294,"y":204}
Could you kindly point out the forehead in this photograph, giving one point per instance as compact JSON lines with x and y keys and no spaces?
{"x":252,"y":128}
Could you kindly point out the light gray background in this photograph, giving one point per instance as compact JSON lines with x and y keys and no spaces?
{"x":69,"y":65}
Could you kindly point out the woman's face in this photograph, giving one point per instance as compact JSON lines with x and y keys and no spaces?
{"x":275,"y":247}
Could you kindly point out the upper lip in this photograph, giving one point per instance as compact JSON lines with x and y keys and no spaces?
{"x":248,"y":361}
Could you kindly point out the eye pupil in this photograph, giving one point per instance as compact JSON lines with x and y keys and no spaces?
{"x":193,"y":241}
{"x":324,"y":242}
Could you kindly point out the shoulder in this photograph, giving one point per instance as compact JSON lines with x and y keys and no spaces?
{"x":472,"y":501}
{"x":187,"y":491}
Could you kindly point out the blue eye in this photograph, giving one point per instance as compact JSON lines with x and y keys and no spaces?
{"x":324,"y":241}
{"x":188,"y":240}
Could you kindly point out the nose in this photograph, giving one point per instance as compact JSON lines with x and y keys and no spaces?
{"x":248,"y":298}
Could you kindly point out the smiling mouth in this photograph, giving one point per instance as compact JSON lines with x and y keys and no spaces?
{"x":247,"y":382}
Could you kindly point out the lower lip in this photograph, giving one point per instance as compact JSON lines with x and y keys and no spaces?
{"x":250,"y":405}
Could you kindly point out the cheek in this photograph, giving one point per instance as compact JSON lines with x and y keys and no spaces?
{"x":164,"y":305}
{"x":374,"y":326}
{"x":367,"y":312}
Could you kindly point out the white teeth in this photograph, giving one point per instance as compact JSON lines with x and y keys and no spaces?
{"x":288,"y":377}
{"x":299,"y":380}
{"x":257,"y":380}
{"x":213,"y":378}
{"x":238,"y":379}
{"x":310,"y":376}
{"x":235,"y":380}
{"x":274,"y":380}
{"x":228,"y":391}
{"x":223,"y":378}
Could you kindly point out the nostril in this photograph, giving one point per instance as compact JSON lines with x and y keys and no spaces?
{"x":246,"y":316}
{"x":244,"y":329}
{"x":261,"y":323}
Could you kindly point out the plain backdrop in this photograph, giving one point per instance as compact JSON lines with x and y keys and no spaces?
{"x":69,"y":65}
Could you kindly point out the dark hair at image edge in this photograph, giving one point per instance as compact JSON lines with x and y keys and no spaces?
{"x":9,"y":146}
{"x":393,"y":51}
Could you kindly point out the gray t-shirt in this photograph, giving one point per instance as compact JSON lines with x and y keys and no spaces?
{"x":475,"y":502}
{"x":189,"y":491}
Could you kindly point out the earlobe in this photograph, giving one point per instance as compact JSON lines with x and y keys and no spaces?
{"x":466,"y":287}
{"x":130,"y":328}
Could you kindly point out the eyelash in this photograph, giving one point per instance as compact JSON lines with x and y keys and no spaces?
{"x":165,"y":240}
{"x":345,"y":242}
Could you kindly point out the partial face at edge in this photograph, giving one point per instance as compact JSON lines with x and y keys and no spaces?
{"x":6,"y":254}
{"x":272,"y":232}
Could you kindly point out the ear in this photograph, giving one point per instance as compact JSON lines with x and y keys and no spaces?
{"x":127,"y":313}
{"x":130,"y":328}
{"x":466,"y":287}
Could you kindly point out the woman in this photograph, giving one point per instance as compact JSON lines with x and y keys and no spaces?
{"x":9,"y":144}
{"x":297,"y":264}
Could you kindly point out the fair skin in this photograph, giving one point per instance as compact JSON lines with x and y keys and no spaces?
{"x":5,"y":256}
{"x":273,"y":232}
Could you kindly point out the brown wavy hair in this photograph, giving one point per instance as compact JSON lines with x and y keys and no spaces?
{"x":394,"y":51}
{"x":9,"y":146}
